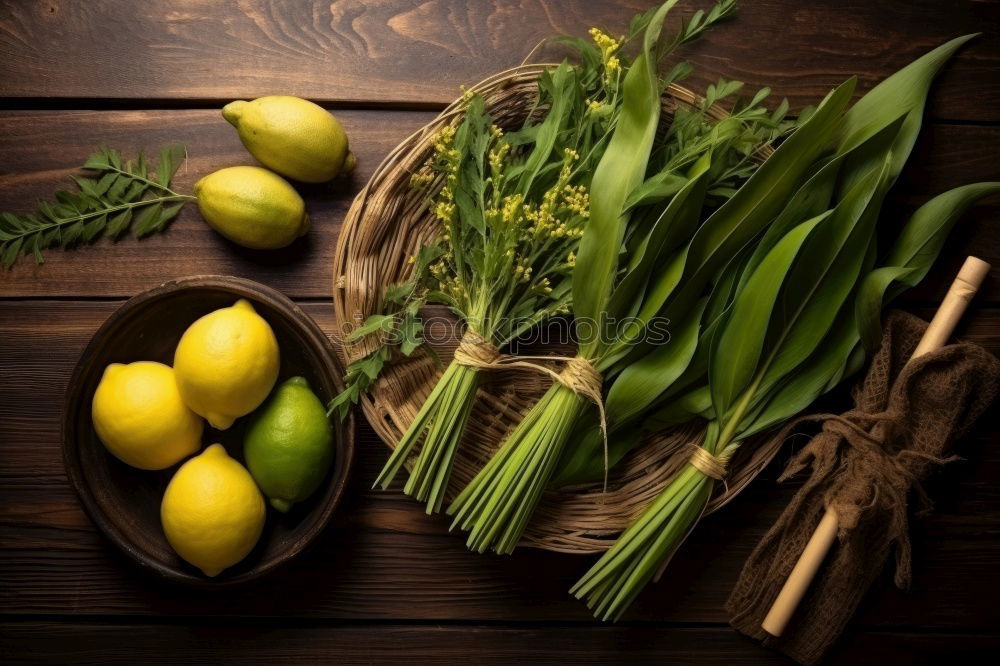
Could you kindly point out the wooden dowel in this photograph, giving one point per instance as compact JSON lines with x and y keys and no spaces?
{"x":965,"y":286}
{"x":968,"y":281}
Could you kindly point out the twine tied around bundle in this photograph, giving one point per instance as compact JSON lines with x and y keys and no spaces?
{"x":578,"y":374}
{"x":476,"y":351}
{"x":713,"y":466}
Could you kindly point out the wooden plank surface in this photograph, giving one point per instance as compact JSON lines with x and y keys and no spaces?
{"x":384,"y":559}
{"x":386,"y":582}
{"x":274,"y":642}
{"x":43,"y":148}
{"x":417,"y":53}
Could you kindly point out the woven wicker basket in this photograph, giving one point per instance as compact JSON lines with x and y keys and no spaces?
{"x":385,"y":226}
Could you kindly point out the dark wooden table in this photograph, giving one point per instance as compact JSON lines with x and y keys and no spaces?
{"x":385,"y":581}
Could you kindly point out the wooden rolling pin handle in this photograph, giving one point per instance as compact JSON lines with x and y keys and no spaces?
{"x":965,"y":286}
{"x":802,"y":574}
{"x":968,"y":281}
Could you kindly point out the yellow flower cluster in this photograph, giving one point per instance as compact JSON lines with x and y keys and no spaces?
{"x":608,"y":46}
{"x":577,"y":199}
{"x":445,"y":210}
{"x":522,"y":272}
{"x":444,"y":141}
{"x":544,"y":219}
{"x":467,"y":94}
{"x":498,"y":155}
{"x":511,"y":207}
{"x":605,"y":42}
{"x":421,"y":179}
{"x":571,"y":259}
{"x":448,"y":156}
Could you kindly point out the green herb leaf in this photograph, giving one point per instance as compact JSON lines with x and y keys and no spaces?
{"x":374,"y":323}
{"x":741,"y":343}
{"x":912,"y":255}
{"x":906,"y":91}
{"x":117,"y":195}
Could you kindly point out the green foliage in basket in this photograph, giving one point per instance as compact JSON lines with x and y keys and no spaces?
{"x":513,"y":206}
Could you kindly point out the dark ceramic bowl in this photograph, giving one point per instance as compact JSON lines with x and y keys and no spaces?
{"x":124,"y":502}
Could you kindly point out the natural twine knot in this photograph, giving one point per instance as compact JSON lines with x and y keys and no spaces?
{"x":582,"y":377}
{"x":476,"y":351}
{"x":579,"y":374}
{"x":873,"y":470}
{"x":708,"y":464}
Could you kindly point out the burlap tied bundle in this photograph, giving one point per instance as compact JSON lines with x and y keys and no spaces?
{"x":864,"y":464}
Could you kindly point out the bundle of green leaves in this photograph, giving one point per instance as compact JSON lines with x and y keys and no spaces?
{"x":512,"y":208}
{"x":647,"y":196}
{"x":791,"y":313}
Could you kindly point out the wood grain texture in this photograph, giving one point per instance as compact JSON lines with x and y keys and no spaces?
{"x":385,"y":582}
{"x":40,"y":149}
{"x":36,"y":159}
{"x":270,"y":642}
{"x":383,"y":559}
{"x":417,"y":53}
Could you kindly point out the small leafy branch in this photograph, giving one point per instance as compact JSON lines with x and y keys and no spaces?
{"x":120,"y":194}
{"x":401,"y":329}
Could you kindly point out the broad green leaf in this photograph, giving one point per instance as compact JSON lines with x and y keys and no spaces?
{"x":118,"y":223}
{"x":399,"y":292}
{"x":808,"y":382}
{"x":828,"y":267}
{"x":694,"y":403}
{"x":922,"y":238}
{"x":93,"y":228}
{"x":675,"y":224}
{"x":147,"y":220}
{"x":913,"y":254}
{"x":639,"y":383}
{"x":871,"y":294}
{"x":168,"y":213}
{"x":564,"y":86}
{"x":171,"y":158}
{"x":656,"y":188}
{"x":116,"y":191}
{"x":755,"y":205}
{"x":584,"y":461}
{"x":375,"y":322}
{"x":11,"y":251}
{"x":98,"y":160}
{"x":740,"y":344}
{"x":620,"y":171}
{"x":905,"y":91}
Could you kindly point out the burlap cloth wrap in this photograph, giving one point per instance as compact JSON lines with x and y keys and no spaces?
{"x":864,"y":464}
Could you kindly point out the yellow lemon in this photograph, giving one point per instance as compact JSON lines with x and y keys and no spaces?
{"x":140,"y":417}
{"x":252,"y":207}
{"x":212,"y":512}
{"x":226,"y":363}
{"x":293,"y":136}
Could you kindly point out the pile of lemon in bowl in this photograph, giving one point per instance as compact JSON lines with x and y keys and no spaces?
{"x":152,"y":416}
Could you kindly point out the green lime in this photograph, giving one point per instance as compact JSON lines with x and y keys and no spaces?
{"x":289,"y":444}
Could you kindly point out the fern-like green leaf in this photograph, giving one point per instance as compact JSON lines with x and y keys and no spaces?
{"x":117,"y":194}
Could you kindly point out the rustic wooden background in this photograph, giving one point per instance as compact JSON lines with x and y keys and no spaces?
{"x":385,"y":581}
